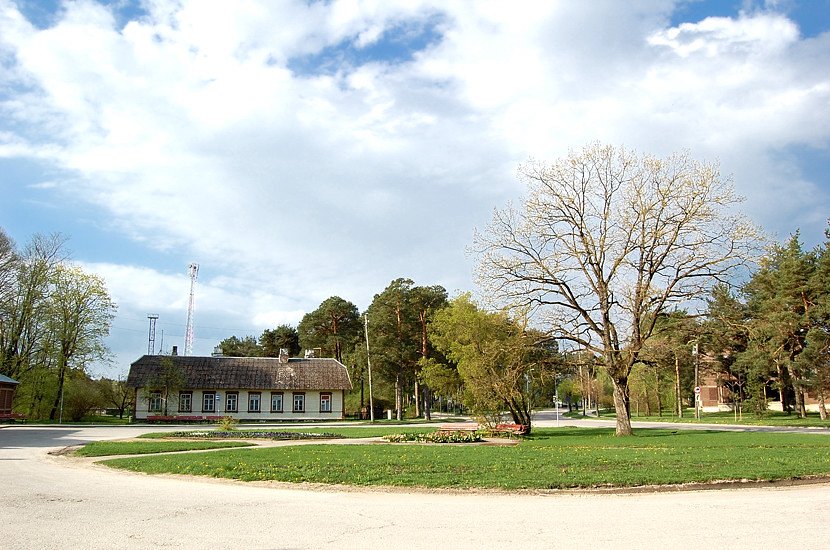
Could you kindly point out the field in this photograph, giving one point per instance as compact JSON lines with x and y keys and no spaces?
{"x":552,"y":458}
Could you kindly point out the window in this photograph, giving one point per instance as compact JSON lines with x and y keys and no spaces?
{"x":185,"y":401}
{"x":276,"y":402}
{"x":155,"y":401}
{"x":299,"y":402}
{"x":208,"y":401}
{"x":253,"y":402}
{"x":232,"y":402}
{"x":325,"y":402}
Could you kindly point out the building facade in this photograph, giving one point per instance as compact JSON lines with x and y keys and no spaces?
{"x":246,"y":388}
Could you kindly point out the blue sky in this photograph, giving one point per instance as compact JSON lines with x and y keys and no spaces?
{"x":298,"y":150}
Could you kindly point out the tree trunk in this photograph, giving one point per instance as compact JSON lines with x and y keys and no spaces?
{"x":622,"y":405}
{"x":399,"y":395}
{"x":799,"y":401}
{"x":417,"y":397}
{"x":822,"y":409}
{"x":677,"y":387}
{"x":427,"y":403}
{"x":61,"y":378}
{"x":783,"y":382}
{"x":659,"y":398}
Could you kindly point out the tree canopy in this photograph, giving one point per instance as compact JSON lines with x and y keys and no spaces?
{"x":605,"y":240}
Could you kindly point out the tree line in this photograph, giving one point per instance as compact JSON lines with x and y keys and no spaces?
{"x":54,"y":317}
{"x":589,"y":279}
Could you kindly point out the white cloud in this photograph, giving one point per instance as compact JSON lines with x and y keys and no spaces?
{"x":206,"y":128}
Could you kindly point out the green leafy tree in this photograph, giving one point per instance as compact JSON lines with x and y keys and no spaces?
{"x":781,"y":300}
{"x":25,"y":307}
{"x":82,"y":396}
{"x":168,"y":381}
{"x":283,"y":337}
{"x":604,"y":241}
{"x":81,"y":314}
{"x":425,"y":301}
{"x":116,"y":395}
{"x":495,"y":355}
{"x":394,"y":336}
{"x":334,"y":327}
{"x":240,"y":347}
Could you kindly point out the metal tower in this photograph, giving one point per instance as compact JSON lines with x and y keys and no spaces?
{"x":188,"y":337}
{"x":151,"y":343}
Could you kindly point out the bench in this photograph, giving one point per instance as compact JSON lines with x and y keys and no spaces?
{"x":186,"y":418}
{"x":509,"y":429}
{"x":160,"y":418}
{"x":459,"y":428}
{"x":214,"y":418}
{"x":12,"y":417}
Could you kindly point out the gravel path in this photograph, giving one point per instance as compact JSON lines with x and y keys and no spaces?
{"x":58,"y":502}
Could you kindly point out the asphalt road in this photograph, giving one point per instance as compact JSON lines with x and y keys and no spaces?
{"x":59,"y":502}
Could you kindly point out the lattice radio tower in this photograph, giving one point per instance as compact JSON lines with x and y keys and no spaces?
{"x":151,"y":341}
{"x":188,"y":336}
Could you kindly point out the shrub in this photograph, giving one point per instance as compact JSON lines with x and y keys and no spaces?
{"x":228,"y":424}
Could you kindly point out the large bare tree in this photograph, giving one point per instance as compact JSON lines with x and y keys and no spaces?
{"x":605,"y":240}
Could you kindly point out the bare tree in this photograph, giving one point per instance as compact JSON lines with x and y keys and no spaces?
{"x":605,"y":240}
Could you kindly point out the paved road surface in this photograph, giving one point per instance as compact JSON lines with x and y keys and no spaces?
{"x":54,"y":502}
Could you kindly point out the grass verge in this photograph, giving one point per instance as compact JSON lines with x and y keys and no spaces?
{"x":110,"y":448}
{"x":550,"y":459}
{"x":771,"y":418}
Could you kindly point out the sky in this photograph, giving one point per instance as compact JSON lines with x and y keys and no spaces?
{"x":298,"y":150}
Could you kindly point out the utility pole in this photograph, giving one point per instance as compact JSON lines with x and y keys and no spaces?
{"x":369,"y":364}
{"x":696,"y":353}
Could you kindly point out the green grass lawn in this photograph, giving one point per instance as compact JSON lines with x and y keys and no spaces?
{"x":110,"y":448}
{"x":551,"y":458}
{"x":772,"y":418}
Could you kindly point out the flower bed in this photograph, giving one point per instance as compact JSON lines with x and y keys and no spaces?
{"x":434,"y":437}
{"x":252,"y":435}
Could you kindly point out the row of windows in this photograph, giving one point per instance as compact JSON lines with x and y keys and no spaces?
{"x":210,"y":400}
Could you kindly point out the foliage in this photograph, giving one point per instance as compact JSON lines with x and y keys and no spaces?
{"x":227,"y":424}
{"x":115,"y":394}
{"x":605,"y":240}
{"x":82,"y":396}
{"x":240,"y":347}
{"x":53,"y":321}
{"x":333,"y":327}
{"x":495,"y":356}
{"x":282,"y":337}
{"x":434,"y":437}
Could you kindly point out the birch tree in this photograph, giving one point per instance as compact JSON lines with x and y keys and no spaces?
{"x":607,"y":239}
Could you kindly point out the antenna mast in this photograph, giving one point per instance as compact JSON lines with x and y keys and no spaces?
{"x":151,"y":341}
{"x":188,"y":337}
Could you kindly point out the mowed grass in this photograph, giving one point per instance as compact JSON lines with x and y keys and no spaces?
{"x":771,"y":418}
{"x":550,"y":459}
{"x":110,"y":448}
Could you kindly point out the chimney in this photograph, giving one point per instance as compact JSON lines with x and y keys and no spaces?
{"x":309,"y":354}
{"x":217,"y":352}
{"x":283,"y":355}
{"x":175,"y":350}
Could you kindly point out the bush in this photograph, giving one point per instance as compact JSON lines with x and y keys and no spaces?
{"x":228,"y":424}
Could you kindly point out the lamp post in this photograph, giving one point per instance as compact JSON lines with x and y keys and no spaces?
{"x":695,"y":352}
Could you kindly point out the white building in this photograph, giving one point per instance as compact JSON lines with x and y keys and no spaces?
{"x":246,"y":388}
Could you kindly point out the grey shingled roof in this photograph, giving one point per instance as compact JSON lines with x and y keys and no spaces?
{"x":256,"y":373}
{"x":6,"y":380}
